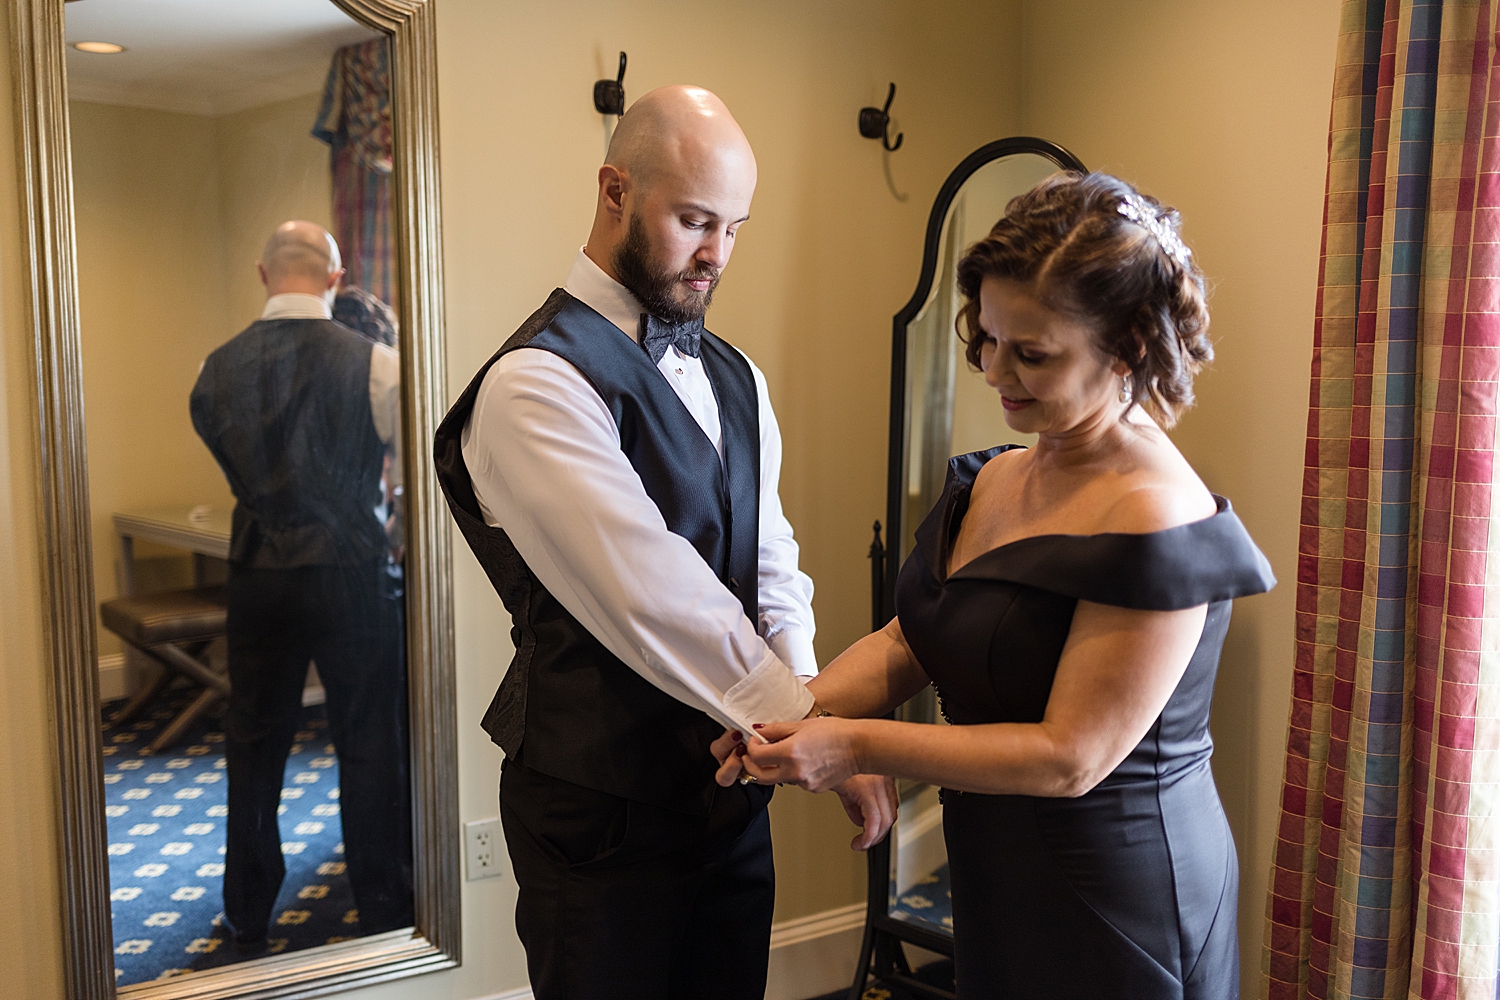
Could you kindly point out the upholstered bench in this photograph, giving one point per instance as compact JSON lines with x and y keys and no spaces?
{"x":174,"y":629}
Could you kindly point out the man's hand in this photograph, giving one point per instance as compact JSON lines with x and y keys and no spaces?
{"x":728,"y":751}
{"x":870,"y":800}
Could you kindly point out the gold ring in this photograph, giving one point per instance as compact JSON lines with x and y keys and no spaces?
{"x":748,"y":779}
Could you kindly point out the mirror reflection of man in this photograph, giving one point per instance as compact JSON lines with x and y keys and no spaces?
{"x":300,"y":412}
{"x":615,"y":469}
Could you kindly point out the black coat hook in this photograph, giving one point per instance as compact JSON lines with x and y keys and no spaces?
{"x":609,"y":95}
{"x":875,"y":123}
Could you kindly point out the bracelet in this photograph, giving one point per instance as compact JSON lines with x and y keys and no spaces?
{"x":819,"y":712}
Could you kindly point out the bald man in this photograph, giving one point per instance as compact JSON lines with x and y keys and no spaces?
{"x":301,"y":413}
{"x":614,"y":467}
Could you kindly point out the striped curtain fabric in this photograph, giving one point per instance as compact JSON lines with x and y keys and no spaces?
{"x":1384,"y":881}
{"x":355,"y":121}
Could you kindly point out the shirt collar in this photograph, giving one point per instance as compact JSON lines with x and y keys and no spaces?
{"x":296,"y":305}
{"x":588,"y":283}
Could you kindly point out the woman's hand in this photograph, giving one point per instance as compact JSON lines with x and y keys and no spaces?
{"x":869,"y":800}
{"x":815,"y":754}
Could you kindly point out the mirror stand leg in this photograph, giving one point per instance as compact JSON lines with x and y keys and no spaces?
{"x":862,"y":970}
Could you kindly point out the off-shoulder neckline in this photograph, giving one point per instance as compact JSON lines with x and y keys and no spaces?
{"x":949,"y":534}
{"x":1200,"y":562}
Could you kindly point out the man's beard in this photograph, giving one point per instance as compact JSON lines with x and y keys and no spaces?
{"x":653,"y":286}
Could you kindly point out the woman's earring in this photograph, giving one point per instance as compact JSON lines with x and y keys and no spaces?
{"x":1124,"y":390}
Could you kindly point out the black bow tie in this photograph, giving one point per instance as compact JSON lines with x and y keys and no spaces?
{"x":657,"y":334}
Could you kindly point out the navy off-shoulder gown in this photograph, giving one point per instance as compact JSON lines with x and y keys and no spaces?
{"x":1130,"y":890}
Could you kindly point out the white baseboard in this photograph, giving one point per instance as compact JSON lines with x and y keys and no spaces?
{"x":816,"y":954}
{"x":809,"y":956}
{"x":920,"y":847}
{"x":114,"y":679}
{"x":112,"y":676}
{"x":524,"y":993}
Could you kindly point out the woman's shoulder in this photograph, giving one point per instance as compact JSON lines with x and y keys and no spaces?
{"x":1183,"y":565}
{"x":1155,"y":503}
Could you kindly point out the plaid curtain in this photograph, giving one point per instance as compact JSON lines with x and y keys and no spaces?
{"x":1384,"y":881}
{"x":355,"y":121}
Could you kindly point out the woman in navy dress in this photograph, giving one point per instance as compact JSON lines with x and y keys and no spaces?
{"x":1069,"y":601}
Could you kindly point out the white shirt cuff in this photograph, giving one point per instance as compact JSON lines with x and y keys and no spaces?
{"x":795,"y":647}
{"x":769,"y":693}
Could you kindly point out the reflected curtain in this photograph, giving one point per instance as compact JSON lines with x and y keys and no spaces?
{"x":1384,"y":879}
{"x":355,"y":121}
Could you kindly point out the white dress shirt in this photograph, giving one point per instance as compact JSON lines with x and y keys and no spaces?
{"x":385,"y":370}
{"x":544,"y":455}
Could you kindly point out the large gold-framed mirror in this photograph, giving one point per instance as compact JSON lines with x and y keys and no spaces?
{"x":156,"y":168}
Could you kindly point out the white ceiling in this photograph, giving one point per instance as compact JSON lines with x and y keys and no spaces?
{"x":204,"y":57}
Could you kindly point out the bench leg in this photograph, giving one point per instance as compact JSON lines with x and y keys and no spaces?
{"x":174,"y":729}
{"x":148,"y":693}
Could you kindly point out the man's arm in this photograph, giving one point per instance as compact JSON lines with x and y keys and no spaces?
{"x":544,"y":456}
{"x":786,"y":615}
{"x":385,"y":404}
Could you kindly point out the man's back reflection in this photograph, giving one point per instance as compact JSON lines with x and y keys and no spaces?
{"x":301,"y":413}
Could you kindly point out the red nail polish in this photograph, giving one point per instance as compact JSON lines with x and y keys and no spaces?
{"x":757,"y":726}
{"x":736,"y":737}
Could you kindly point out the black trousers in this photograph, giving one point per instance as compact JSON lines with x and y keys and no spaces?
{"x":620,"y":899}
{"x":278,"y":620}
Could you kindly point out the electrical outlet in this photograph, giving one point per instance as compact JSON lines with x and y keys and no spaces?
{"x":482,"y":843}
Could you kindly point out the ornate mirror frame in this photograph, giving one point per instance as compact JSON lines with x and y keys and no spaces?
{"x":47,"y":203}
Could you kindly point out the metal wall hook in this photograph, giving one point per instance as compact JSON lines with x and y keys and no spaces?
{"x":875,"y":123}
{"x":609,"y":95}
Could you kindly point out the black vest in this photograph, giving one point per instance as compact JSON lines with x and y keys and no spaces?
{"x":285,"y":409}
{"x":567,"y":706}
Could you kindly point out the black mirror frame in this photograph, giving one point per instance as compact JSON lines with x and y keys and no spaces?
{"x":896,"y":453}
{"x":883,"y":933}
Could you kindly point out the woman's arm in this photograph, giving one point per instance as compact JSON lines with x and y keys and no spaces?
{"x":1116,"y":673}
{"x":871,"y":677}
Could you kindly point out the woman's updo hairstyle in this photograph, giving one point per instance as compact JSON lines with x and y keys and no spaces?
{"x":1093,"y":246}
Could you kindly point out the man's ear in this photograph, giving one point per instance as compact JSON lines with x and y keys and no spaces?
{"x":334,"y":277}
{"x":260,"y":269}
{"x":612,"y":185}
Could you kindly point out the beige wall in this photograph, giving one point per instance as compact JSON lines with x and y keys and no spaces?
{"x":827,"y":257}
{"x":271,"y":169}
{"x":1222,"y":110}
{"x":151,"y":295}
{"x":172,"y":211}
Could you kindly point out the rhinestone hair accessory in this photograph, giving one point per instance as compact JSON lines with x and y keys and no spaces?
{"x":1137,"y":210}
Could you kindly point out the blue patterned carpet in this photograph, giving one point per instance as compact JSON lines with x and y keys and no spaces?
{"x":939,"y":974}
{"x":166,"y":816}
{"x":929,"y":901}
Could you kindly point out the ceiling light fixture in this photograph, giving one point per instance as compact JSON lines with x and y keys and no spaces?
{"x":99,"y":48}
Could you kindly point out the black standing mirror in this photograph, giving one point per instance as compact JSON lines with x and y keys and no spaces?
{"x":940,"y":407}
